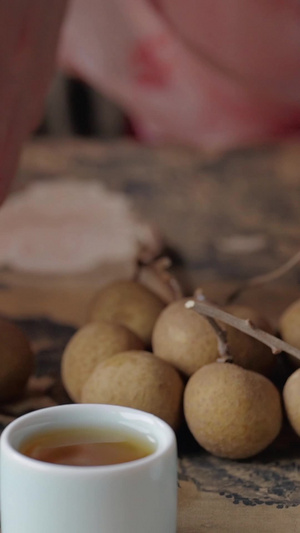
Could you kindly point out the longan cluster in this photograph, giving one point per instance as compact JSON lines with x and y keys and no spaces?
{"x":139,"y":351}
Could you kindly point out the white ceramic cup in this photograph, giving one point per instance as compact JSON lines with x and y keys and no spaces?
{"x":134,"y":497}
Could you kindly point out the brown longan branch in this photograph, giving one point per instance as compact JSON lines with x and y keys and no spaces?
{"x":161,"y":267}
{"x":161,"y":270}
{"x":264,"y":278}
{"x":277,"y":345}
{"x":223,"y":348}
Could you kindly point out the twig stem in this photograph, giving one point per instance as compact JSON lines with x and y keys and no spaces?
{"x":276,"y":345}
{"x":265,"y":278}
{"x":161,"y":270}
{"x":223,"y":348}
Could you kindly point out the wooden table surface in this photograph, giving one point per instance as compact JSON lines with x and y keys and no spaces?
{"x":229,"y":215}
{"x":224,"y":218}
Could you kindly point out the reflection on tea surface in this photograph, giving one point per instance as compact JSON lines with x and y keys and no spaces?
{"x":88,"y":446}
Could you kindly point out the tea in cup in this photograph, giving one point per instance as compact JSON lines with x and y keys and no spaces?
{"x":88,"y":468}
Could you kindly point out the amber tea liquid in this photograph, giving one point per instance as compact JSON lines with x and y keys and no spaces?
{"x":87,"y":446}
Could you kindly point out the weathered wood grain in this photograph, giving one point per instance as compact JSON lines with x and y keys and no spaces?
{"x":230,"y":215}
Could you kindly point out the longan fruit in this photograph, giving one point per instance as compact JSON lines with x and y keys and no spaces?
{"x":183,"y":338}
{"x":289,"y":328}
{"x":16,"y":360}
{"x":90,"y":345}
{"x":128,"y":303}
{"x":246,"y":351}
{"x":232,"y":412}
{"x":291,"y":399}
{"x":139,"y":380}
{"x":186,"y":340}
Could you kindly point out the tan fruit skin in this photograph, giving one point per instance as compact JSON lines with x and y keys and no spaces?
{"x":232,"y":412}
{"x":139,"y":380}
{"x":184,"y":339}
{"x":289,"y":327}
{"x":245,"y":350}
{"x":291,"y":398}
{"x":90,"y":345}
{"x":187,"y":341}
{"x":16,"y":361}
{"x":128,"y":303}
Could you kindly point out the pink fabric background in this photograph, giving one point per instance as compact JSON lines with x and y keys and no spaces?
{"x":29,"y":32}
{"x":202,"y":72}
{"x":206,"y":73}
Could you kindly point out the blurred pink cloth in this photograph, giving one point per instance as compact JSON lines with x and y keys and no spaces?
{"x":29,"y":32}
{"x":208,"y":73}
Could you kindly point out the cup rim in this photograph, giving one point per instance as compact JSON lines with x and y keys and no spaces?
{"x":162,"y":447}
